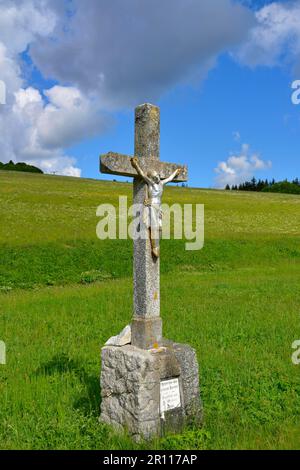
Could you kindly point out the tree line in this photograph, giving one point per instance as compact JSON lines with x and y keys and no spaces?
{"x":290,"y":187}
{"x":21,"y":166}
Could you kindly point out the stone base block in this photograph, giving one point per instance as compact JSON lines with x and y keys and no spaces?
{"x":136,"y":385}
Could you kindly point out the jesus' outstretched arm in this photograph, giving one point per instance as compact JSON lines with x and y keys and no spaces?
{"x":171,"y":177}
{"x":135,"y":164}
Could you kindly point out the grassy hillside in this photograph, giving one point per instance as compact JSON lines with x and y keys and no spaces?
{"x":236,"y":301}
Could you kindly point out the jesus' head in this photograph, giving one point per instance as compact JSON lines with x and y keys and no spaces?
{"x":154,"y":176}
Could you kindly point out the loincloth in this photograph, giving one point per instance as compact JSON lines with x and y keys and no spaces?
{"x":152,"y":216}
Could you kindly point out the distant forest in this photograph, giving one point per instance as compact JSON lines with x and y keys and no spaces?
{"x":289,"y":187}
{"x":11,"y":166}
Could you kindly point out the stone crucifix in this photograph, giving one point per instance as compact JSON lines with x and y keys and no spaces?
{"x":150,"y":175}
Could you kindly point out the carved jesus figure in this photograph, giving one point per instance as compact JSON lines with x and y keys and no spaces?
{"x":153,"y":202}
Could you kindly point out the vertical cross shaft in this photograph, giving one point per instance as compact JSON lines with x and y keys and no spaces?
{"x":146,"y":324}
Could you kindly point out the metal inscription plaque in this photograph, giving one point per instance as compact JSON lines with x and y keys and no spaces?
{"x":169,"y":395}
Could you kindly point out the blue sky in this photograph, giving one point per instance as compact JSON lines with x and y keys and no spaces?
{"x":220,"y":72}
{"x":198,"y":124}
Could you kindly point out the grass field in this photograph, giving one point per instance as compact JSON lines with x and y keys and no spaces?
{"x":237,"y":302}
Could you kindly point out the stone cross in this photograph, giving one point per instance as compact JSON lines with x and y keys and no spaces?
{"x":146,"y":327}
{"x":151,"y":386}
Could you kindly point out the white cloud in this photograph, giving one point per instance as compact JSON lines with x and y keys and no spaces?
{"x":9,"y":72}
{"x":239,"y":168}
{"x":68,"y":118}
{"x":60,"y":164}
{"x":108,"y":55}
{"x":103,"y":54}
{"x":36,"y":132}
{"x":21,"y":21}
{"x":37,"y":128}
{"x":236,"y":136}
{"x":275,"y":39}
{"x":127,"y":52}
{"x":20,"y":138}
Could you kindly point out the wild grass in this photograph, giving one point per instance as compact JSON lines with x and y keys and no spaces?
{"x":63,"y":293}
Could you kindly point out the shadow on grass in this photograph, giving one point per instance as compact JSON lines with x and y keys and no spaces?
{"x":89,"y":402}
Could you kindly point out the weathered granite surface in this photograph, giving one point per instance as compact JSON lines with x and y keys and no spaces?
{"x":146,"y":272}
{"x":124,"y":337}
{"x":147,"y":131}
{"x":119,"y":164}
{"x":130,"y":388}
{"x":146,"y":333}
{"x":187,"y":359}
{"x":146,"y":268}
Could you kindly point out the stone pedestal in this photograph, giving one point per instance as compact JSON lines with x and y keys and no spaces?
{"x":138,"y":386}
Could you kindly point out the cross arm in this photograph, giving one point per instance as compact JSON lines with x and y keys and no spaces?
{"x":118,"y":164}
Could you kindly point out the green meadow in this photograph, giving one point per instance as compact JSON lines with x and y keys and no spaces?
{"x":63,"y":293}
